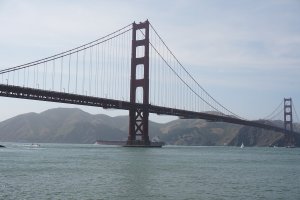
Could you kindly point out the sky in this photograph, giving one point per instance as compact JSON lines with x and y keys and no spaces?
{"x":245,"y":53}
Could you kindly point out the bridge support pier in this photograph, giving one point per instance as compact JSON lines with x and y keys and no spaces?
{"x":138,"y":117}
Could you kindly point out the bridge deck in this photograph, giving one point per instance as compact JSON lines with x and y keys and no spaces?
{"x":53,"y":96}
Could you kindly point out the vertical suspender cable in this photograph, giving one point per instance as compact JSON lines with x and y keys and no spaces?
{"x":43,"y":76}
{"x":102,"y":70}
{"x":53,"y":74}
{"x":90,"y":70}
{"x":69,"y":73}
{"x":76,"y":72}
{"x":113,"y":48}
{"x":27,"y":77}
{"x":13,"y":82}
{"x":94,"y":83}
{"x":122,"y":67}
{"x":18,"y":77}
{"x":83,"y":72}
{"x":110,"y":69}
{"x":61,"y":73}
{"x":46,"y":76}
{"x":104,"y":73}
{"x":24,"y":78}
{"x":118,"y":57}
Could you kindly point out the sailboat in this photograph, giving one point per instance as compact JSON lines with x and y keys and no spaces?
{"x":242,"y":146}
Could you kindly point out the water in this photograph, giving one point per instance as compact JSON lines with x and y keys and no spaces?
{"x":60,"y":171}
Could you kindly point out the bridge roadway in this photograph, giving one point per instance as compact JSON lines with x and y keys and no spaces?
{"x":62,"y":97}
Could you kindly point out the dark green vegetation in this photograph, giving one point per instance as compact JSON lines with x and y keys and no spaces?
{"x":64,"y":125}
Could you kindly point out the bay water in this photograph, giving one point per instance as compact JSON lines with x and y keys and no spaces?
{"x":72,"y":171}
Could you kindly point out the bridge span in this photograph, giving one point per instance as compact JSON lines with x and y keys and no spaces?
{"x":130,"y":69}
{"x":61,"y":97}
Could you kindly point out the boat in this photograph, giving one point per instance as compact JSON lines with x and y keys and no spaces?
{"x":2,"y":146}
{"x":242,"y":146}
{"x":107,"y":142}
{"x":290,"y":146}
{"x":35,"y":145}
{"x":153,"y":143}
{"x":150,"y":145}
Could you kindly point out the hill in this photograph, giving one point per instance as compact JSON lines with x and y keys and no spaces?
{"x":71,"y":125}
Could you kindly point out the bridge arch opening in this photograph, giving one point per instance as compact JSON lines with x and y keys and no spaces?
{"x":140,"y":51}
{"x":140,"y":34}
{"x":139,"y":94}
{"x":140,"y":71}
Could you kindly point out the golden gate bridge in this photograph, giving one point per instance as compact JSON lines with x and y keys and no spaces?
{"x":130,"y":69}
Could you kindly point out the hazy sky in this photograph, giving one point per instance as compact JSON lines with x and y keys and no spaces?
{"x":245,"y":53}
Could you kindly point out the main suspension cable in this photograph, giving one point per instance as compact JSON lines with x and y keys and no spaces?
{"x":66,"y":53}
{"x":192,"y":77}
{"x":295,"y":112}
{"x":270,"y":115}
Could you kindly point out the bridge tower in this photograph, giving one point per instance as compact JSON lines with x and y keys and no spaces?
{"x":288,"y":122}
{"x":138,"y":116}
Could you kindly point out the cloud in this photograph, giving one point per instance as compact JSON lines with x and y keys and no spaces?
{"x":261,"y":34}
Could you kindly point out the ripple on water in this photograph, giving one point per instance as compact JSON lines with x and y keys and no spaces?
{"x":58,"y":171}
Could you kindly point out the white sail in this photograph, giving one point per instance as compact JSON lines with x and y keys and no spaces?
{"x":242,"y":146}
